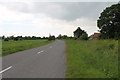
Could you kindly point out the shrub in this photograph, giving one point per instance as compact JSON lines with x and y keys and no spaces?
{"x":51,"y":38}
{"x":84,"y":36}
{"x":6,"y":39}
{"x":16,"y":39}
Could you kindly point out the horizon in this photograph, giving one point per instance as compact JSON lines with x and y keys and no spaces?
{"x":43,"y":18}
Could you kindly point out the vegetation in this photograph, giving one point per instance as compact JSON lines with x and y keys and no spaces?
{"x":0,"y":46}
{"x":109,"y":22}
{"x":6,"y":39}
{"x":78,"y":33}
{"x":51,"y":38}
{"x":96,"y":58}
{"x":84,"y":36}
{"x":92,"y":59}
{"x":64,"y":37}
{"x":15,"y":46}
{"x":85,"y":59}
{"x":22,"y":38}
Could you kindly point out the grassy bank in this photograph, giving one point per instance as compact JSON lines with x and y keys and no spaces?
{"x":15,"y":46}
{"x":0,"y":47}
{"x":92,"y":59}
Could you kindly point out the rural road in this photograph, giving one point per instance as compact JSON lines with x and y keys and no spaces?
{"x":42,"y":62}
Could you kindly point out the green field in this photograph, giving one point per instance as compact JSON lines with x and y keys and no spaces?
{"x":15,"y":46}
{"x":0,"y":47}
{"x":92,"y":59}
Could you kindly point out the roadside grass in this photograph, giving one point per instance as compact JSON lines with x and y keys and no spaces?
{"x":92,"y":59}
{"x":15,"y":46}
{"x":0,"y":47}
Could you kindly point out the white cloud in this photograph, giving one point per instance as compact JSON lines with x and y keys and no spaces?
{"x":60,"y":0}
{"x":86,"y":24}
{"x":67,"y":11}
{"x":12,"y":16}
{"x":23,"y":19}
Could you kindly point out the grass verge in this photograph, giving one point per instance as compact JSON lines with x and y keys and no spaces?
{"x":0,"y":47}
{"x":92,"y":59}
{"x":15,"y":46}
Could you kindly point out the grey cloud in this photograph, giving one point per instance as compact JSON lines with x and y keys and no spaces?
{"x":62,"y":10}
{"x":83,"y":10}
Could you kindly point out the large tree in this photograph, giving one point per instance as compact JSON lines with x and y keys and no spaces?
{"x":109,"y":22}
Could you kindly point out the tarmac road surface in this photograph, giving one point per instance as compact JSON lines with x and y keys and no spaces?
{"x":42,"y":62}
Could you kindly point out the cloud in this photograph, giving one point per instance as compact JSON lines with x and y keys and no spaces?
{"x":62,"y":10}
{"x":40,"y":19}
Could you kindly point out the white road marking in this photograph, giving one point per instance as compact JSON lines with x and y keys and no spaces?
{"x":50,"y":46}
{"x":40,"y":52}
{"x":5,"y":69}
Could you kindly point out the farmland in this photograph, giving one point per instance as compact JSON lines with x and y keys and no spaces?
{"x":92,"y":59}
{"x":9,"y":47}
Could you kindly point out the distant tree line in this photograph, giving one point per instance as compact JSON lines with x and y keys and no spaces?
{"x":22,"y":38}
{"x":78,"y":34}
{"x":51,"y":37}
{"x":64,"y":37}
{"x":108,"y":24}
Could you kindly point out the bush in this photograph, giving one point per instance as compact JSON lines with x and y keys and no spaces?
{"x":6,"y":39}
{"x":84,"y":36}
{"x":51,"y":38}
{"x":16,"y":39}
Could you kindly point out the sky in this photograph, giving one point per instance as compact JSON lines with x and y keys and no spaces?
{"x":43,"y":18}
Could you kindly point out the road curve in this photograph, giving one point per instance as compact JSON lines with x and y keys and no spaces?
{"x":42,"y":62}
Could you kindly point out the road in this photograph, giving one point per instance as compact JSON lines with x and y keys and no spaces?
{"x":42,"y":62}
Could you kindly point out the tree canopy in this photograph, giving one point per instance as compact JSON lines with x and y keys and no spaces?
{"x":51,"y":37}
{"x":109,"y":22}
{"x":84,"y":36}
{"x":78,"y":32}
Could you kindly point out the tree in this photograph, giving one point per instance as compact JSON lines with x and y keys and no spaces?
{"x":51,"y":37}
{"x":109,"y":22}
{"x":78,"y":32}
{"x":84,"y":36}
{"x":3,"y":37}
{"x":34,"y":38}
{"x":6,"y":39}
{"x":64,"y":37}
{"x":11,"y":37}
{"x":27,"y":37}
{"x":60,"y":36}
{"x":16,"y":39}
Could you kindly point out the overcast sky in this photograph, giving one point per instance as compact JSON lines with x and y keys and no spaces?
{"x":44,"y":18}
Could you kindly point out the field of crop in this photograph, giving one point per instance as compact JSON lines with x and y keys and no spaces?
{"x":92,"y":59}
{"x":15,"y":46}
